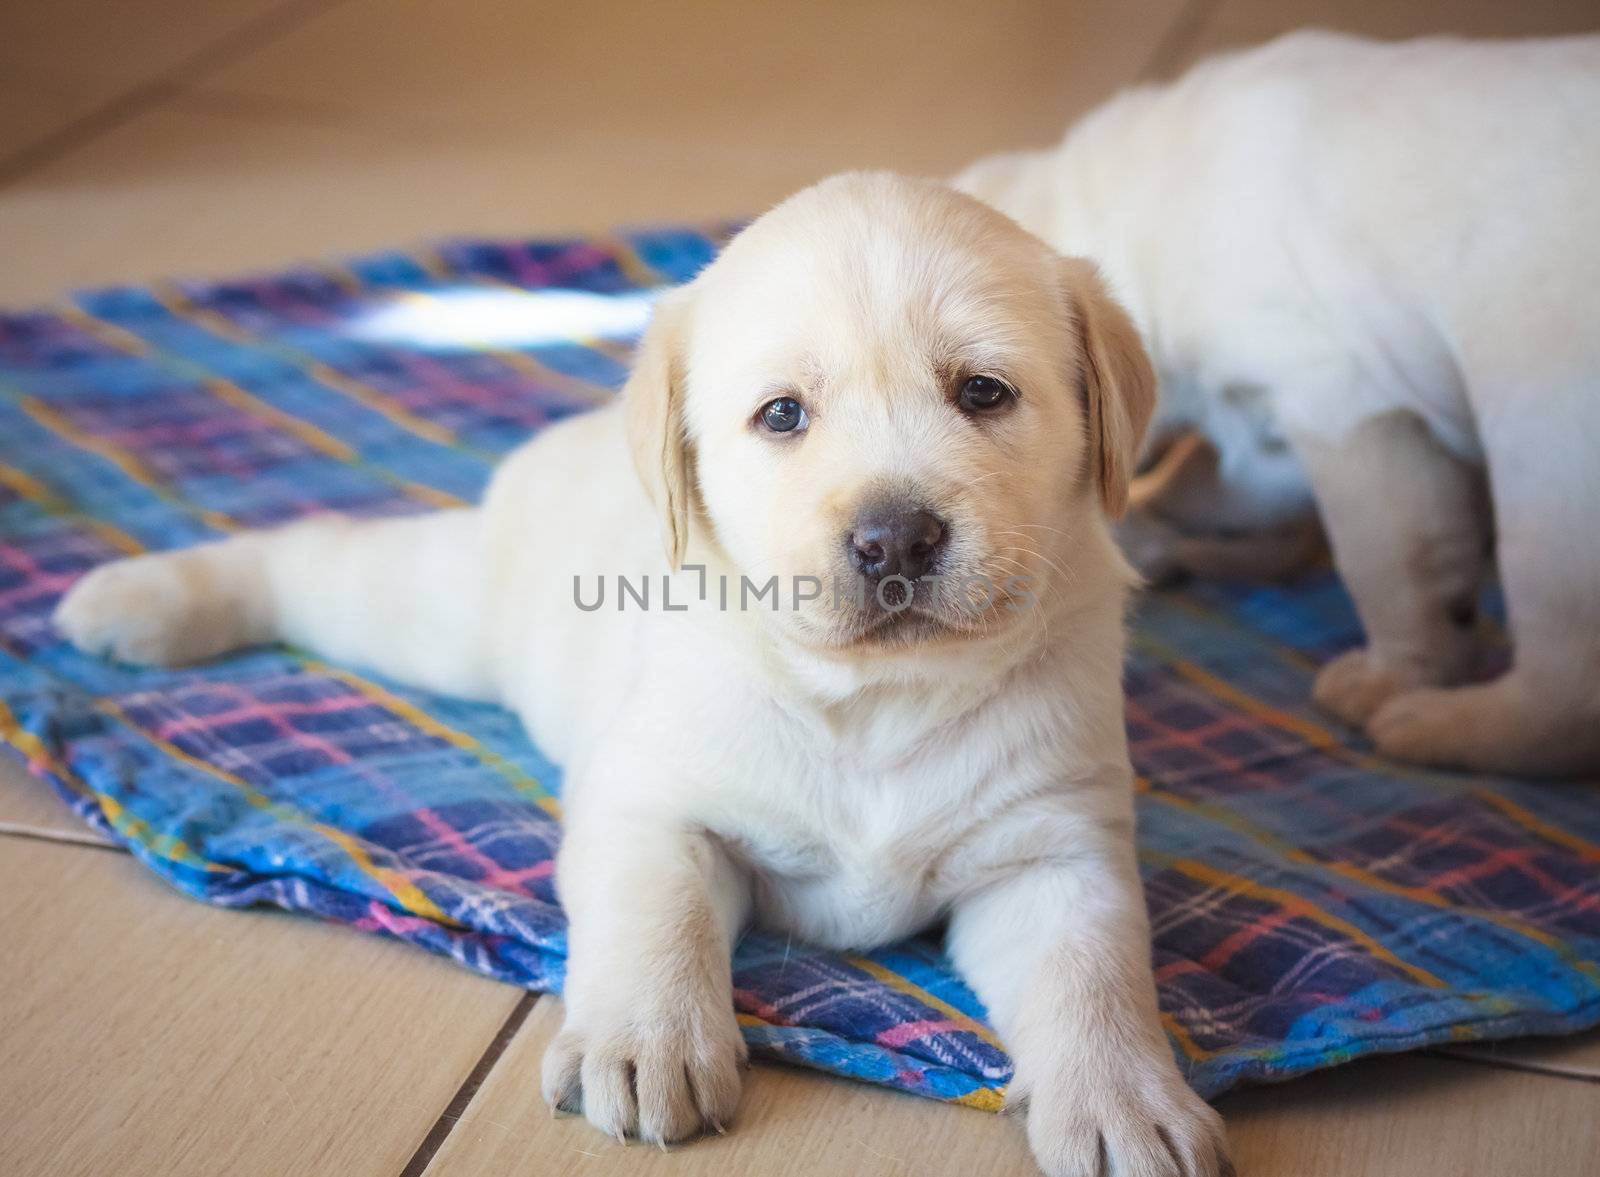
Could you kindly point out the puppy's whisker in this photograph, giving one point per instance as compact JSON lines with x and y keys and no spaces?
{"x":1061,"y":531}
{"x":1046,"y":586}
{"x":1043,"y":603}
{"x":1065,"y":573}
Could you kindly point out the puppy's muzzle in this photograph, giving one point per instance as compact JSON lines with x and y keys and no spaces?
{"x":896,"y":540}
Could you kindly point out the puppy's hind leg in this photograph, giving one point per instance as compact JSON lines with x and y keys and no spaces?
{"x":1409,"y":530}
{"x":402,"y":596}
{"x":1542,"y":717}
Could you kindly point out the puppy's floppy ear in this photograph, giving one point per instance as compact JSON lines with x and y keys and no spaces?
{"x":1119,"y":385}
{"x":652,"y":401}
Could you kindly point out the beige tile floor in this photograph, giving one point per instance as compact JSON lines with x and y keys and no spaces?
{"x":143,"y":1033}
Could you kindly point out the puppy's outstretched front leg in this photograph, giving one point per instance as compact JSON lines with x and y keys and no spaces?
{"x":1408,"y":522}
{"x":403,"y":596}
{"x":1059,"y":952}
{"x":649,"y":1045}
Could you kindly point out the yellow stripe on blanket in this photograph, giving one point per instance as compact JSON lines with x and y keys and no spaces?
{"x":409,"y":895}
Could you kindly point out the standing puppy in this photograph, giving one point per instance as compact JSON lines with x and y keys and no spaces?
{"x":1376,"y":268}
{"x":910,"y":419}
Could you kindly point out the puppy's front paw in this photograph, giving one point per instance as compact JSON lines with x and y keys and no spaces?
{"x":1140,"y":1121}
{"x":1357,"y":683}
{"x":144,"y":611}
{"x":1423,"y":727}
{"x":1487,"y":727}
{"x":662,"y":1071}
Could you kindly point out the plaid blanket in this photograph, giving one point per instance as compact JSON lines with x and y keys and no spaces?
{"x":1310,"y":903}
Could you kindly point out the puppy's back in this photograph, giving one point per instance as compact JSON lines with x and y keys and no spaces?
{"x":1477,"y":161}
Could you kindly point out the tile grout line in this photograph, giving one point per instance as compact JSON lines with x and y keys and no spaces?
{"x":456,"y":1108}
{"x":59,"y":837}
{"x":227,"y":49}
{"x":1504,"y":1064}
{"x":1185,"y":29}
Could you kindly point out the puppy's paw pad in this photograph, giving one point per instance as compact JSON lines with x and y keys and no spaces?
{"x":131,"y":610}
{"x":653,"y":1079}
{"x":1356,"y":684}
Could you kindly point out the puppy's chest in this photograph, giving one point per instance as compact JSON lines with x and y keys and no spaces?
{"x":861,"y":866}
{"x":859,"y":835}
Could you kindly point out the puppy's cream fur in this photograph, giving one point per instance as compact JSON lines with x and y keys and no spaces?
{"x":1373,"y":271}
{"x":828,"y":770}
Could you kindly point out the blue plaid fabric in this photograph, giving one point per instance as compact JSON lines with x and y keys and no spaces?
{"x":1310,"y":903}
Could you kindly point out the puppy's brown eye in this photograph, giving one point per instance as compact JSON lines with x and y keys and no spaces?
{"x":982,"y":393}
{"x":784,"y":415}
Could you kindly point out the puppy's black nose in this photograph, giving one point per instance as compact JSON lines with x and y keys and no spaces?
{"x":896,"y":541}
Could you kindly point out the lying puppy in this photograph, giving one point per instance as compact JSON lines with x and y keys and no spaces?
{"x":912,"y":419}
{"x":1373,"y":271}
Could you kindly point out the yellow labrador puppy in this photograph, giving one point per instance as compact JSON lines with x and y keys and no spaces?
{"x":1372,"y":272}
{"x":874,"y":680}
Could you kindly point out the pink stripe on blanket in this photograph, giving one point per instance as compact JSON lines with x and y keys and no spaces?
{"x":911,"y":1031}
